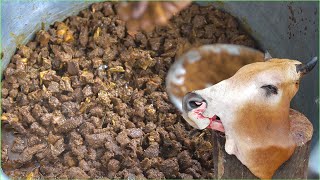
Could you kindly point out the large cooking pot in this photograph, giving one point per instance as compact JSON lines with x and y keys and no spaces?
{"x":285,"y":29}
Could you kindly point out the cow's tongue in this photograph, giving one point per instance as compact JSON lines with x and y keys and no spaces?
{"x":216,"y":124}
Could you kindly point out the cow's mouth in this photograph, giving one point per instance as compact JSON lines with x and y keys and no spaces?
{"x":215,"y":121}
{"x":216,"y":124}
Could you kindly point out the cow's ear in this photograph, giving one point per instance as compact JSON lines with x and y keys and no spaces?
{"x":267,"y":56}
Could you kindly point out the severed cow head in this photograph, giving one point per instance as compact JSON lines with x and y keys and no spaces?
{"x":252,"y":108}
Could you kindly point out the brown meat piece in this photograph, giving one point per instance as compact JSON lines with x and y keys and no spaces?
{"x":169,"y":44}
{"x":97,"y":140}
{"x":13,"y":93}
{"x":43,"y":38}
{"x":130,"y":163}
{"x":18,"y":145}
{"x":92,"y":154}
{"x":44,"y":52}
{"x":83,"y":36}
{"x":96,"y":121}
{"x":155,"y":174}
{"x":70,"y":124}
{"x":87,"y":91}
{"x":152,"y":151}
{"x":170,"y":148}
{"x":199,"y":21}
{"x":162,"y":106}
{"x":38,"y":130}
{"x":141,"y":38}
{"x":120,"y":108}
{"x":77,"y":95}
{"x":96,"y":62}
{"x":69,"y":108}
{"x":79,"y":151}
{"x":50,"y":170}
{"x":76,"y":173}
{"x":26,"y":115}
{"x":185,"y":160}
{"x":18,"y":127}
{"x":52,"y":138}
{"x":22,"y":99}
{"x":107,"y":156}
{"x":140,"y":82}
{"x":112,"y":146}
{"x":4,"y":92}
{"x":120,"y":30}
{"x":168,"y":119}
{"x":73,"y":67}
{"x":37,"y":111}
{"x":57,"y":148}
{"x":123,"y":138}
{"x":155,"y":43}
{"x":113,"y":165}
{"x":61,"y":56}
{"x":154,"y":136}
{"x":149,"y":127}
{"x":139,"y":106}
{"x":103,"y":98}
{"x":69,"y":159}
{"x":35,"y":96}
{"x":49,"y":75}
{"x":145,"y":164}
{"x":86,"y":128}
{"x":75,"y":82}
{"x":97,"y":111}
{"x":145,"y":62}
{"x":65,"y":84}
{"x":86,"y":77}
{"x":129,"y":42}
{"x":151,"y":163}
{"x":76,"y":139}
{"x":46,"y":119}
{"x":46,"y":63}
{"x":53,"y":87}
{"x":64,"y":98}
{"x":28,"y":153}
{"x":33,"y":140}
{"x":185,"y":176}
{"x":135,"y":133}
{"x":68,"y":49}
{"x":84,"y":165}
{"x":193,"y":172}
{"x":170,"y":167}
{"x":7,"y":103}
{"x":153,"y":84}
{"x":57,"y":119}
{"x":97,"y":52}
{"x":24,"y":51}
{"x":54,"y":102}
{"x":107,"y":9}
{"x":125,"y":174}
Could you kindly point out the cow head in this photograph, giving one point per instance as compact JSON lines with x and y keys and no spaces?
{"x":252,"y":108}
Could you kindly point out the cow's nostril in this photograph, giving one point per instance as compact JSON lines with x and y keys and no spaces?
{"x":192,"y":101}
{"x":194,"y":104}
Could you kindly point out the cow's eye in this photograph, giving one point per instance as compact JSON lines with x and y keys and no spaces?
{"x":270,"y":89}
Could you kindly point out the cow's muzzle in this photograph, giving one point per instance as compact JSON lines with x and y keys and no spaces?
{"x":192,"y":101}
